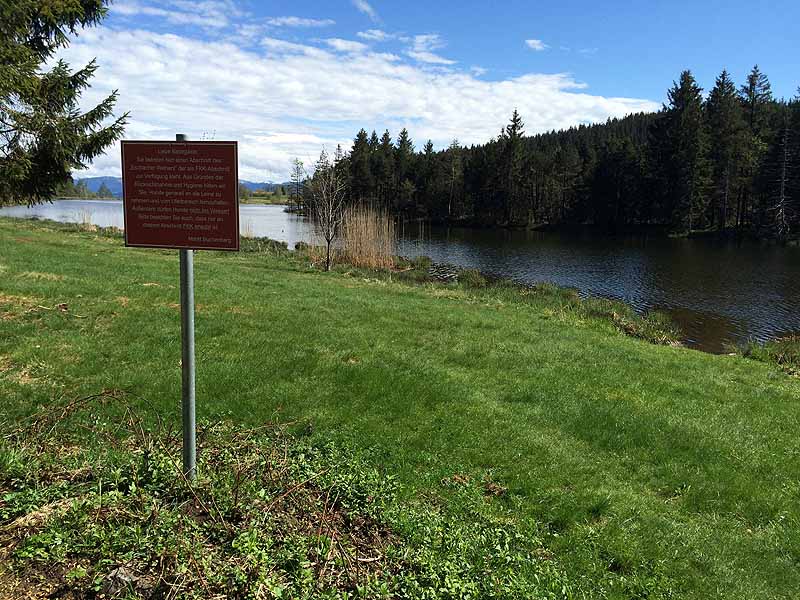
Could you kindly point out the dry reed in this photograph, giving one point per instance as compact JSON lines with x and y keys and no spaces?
{"x":85,"y":220}
{"x":368,"y":238}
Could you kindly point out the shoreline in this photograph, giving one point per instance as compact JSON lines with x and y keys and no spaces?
{"x":667,"y":330}
{"x":119,"y":199}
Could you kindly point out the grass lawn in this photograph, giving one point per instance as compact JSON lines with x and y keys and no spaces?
{"x":649,"y":471}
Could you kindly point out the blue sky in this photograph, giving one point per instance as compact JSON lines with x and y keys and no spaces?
{"x":287,"y":78}
{"x":619,"y":48}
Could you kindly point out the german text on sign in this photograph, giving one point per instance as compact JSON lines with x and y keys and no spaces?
{"x":181,"y":195}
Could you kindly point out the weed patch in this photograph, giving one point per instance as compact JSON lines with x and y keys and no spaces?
{"x":784,"y":352}
{"x":271,"y":515}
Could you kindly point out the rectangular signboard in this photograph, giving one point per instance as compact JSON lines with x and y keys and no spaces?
{"x":182,"y":195}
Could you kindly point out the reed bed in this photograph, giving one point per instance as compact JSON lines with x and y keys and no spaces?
{"x":368,"y":238}
{"x":85,"y":220}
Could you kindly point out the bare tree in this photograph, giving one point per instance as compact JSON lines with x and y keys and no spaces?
{"x":328,"y":192}
{"x":298,"y":177}
{"x":782,"y":203}
{"x":456,"y":172}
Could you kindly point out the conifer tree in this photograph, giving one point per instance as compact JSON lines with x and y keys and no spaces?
{"x":426,"y":176}
{"x":756,"y":97}
{"x":727,"y":138}
{"x":43,"y":135}
{"x":385,"y":170}
{"x":361,"y":174}
{"x":103,"y":191}
{"x":512,"y":159}
{"x":404,"y":157}
{"x":756,"y":94}
{"x":686,"y":159}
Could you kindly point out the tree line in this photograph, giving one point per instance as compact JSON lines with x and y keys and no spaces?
{"x":80,"y":189}
{"x":728,"y":161}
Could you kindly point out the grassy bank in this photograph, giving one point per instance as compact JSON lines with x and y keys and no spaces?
{"x":641,"y":470}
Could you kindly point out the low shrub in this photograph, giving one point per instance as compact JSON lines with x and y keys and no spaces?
{"x":262,"y":245}
{"x":422,"y":263}
{"x":471,"y":278}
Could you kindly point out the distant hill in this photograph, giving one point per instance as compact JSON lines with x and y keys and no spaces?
{"x":115,"y":184}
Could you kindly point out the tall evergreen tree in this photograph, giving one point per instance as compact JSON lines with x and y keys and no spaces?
{"x":756,"y":97}
{"x":686,"y":159}
{"x":360,"y":169}
{"x":385,"y":170}
{"x":511,"y":139}
{"x":727,"y":138}
{"x":404,"y":157}
{"x":103,"y":191}
{"x":43,"y":134}
{"x":426,"y":176}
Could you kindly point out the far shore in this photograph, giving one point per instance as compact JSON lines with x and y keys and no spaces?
{"x":281,"y":201}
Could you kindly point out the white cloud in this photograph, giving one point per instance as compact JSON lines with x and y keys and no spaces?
{"x":249,"y":31}
{"x":478,"y":71}
{"x":282,"y":99}
{"x":366,"y":8}
{"x":375,"y":35}
{"x":299,"y":22}
{"x":281,"y":47}
{"x":341,"y":45}
{"x":208,"y":14}
{"x":422,"y":49}
{"x":537,"y":45}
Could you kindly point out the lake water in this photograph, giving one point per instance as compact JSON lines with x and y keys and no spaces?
{"x":720,"y":292}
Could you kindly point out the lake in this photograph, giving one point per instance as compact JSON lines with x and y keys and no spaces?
{"x":719,"y":292}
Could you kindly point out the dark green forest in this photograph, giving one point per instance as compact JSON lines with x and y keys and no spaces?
{"x":724,"y":162}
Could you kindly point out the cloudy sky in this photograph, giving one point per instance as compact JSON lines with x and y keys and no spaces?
{"x":288,"y":78}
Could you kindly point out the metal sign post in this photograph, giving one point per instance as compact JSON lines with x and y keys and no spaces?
{"x":187,"y":358}
{"x":182,"y":195}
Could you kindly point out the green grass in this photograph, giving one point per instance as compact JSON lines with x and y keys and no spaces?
{"x":650,"y":471}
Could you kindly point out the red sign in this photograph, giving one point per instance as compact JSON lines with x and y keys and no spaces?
{"x":181,"y":195}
